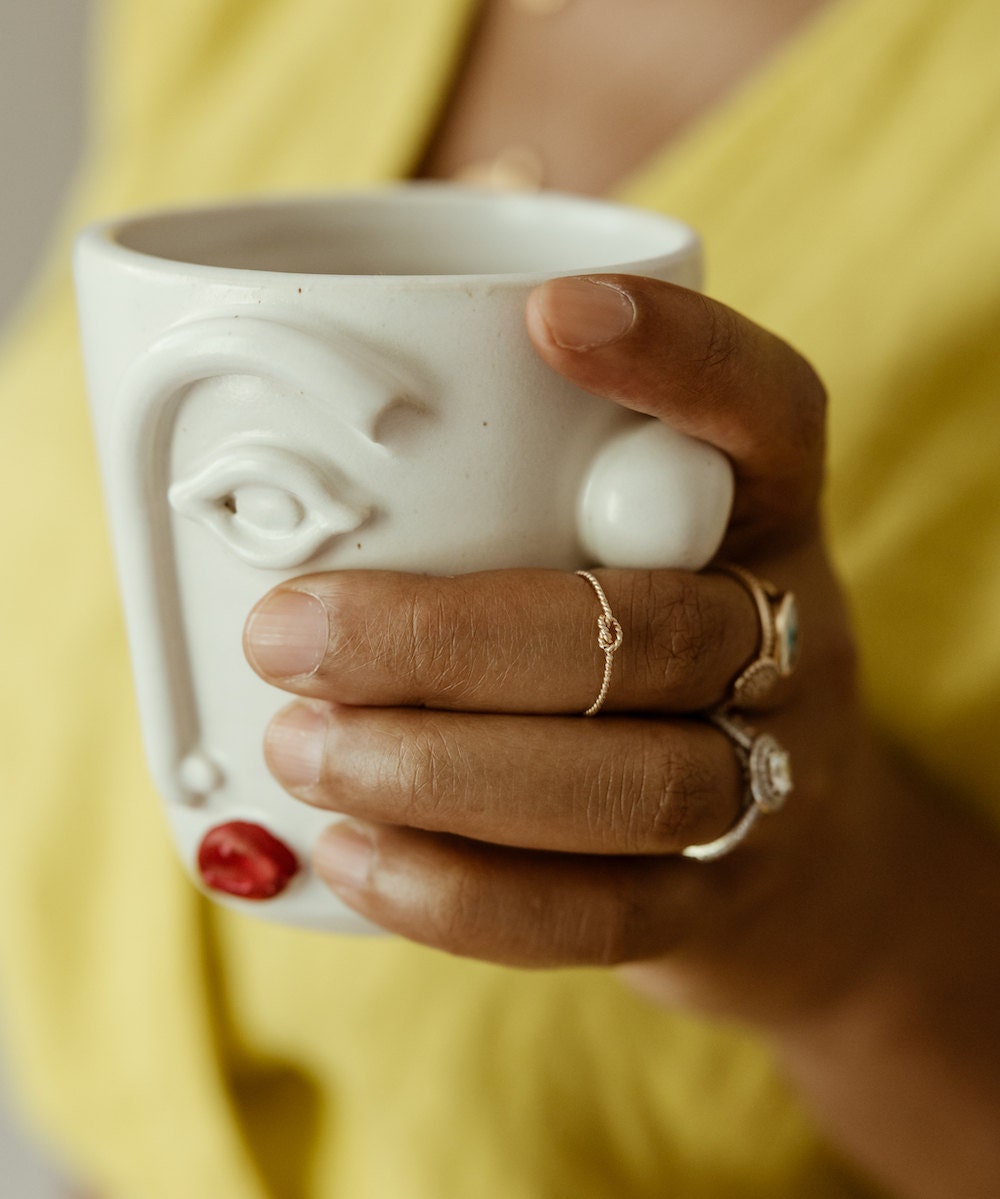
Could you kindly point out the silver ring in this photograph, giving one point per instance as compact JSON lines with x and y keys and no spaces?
{"x":767,"y":774}
{"x":778,"y":654}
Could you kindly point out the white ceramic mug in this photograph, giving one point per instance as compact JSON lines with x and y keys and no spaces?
{"x":279,"y":388}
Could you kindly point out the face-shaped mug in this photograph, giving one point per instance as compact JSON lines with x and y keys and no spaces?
{"x":320,"y":384}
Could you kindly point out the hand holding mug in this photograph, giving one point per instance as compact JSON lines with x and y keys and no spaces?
{"x":488,"y":818}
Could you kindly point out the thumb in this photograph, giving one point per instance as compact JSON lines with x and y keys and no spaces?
{"x":705,"y":370}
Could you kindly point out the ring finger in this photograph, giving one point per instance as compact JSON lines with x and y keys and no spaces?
{"x":615,"y":786}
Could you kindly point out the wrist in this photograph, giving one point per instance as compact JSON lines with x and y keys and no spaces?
{"x":902,"y":1062}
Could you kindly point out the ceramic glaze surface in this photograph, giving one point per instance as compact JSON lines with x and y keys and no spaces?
{"x":257,"y":419}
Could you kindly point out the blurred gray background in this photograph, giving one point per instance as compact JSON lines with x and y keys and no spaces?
{"x":42,"y":54}
{"x":42,"y":57}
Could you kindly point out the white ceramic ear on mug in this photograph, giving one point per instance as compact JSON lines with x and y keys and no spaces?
{"x":655,"y":498}
{"x":249,"y":434}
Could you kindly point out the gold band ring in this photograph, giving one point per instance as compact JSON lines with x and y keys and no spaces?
{"x":777,"y":612}
{"x":609,"y":640}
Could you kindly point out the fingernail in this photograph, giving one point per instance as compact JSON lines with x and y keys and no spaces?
{"x":343,"y":856}
{"x":286,"y":635}
{"x":293,"y":745}
{"x":582,"y":314}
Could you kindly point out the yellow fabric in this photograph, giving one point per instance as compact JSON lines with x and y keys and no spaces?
{"x":848,"y":199}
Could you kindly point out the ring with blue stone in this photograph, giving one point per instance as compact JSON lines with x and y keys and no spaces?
{"x":778,"y":651}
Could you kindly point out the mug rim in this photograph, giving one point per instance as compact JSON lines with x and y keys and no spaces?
{"x":120,"y":238}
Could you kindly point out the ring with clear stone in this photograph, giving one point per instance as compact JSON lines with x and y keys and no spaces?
{"x":767,"y":774}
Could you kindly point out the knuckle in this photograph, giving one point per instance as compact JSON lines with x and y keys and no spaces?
{"x":421,"y":623}
{"x":347,"y":638}
{"x":409,"y":637}
{"x":681,"y":799}
{"x":719,"y":352}
{"x":458,"y":916}
{"x":614,"y":804}
{"x":680,"y":788}
{"x":678,"y":621}
{"x":652,"y":799}
{"x":434,"y":650}
{"x":466,"y":916}
{"x":807,"y":422}
{"x":682,"y":632}
{"x":669,"y":816}
{"x":425,"y":777}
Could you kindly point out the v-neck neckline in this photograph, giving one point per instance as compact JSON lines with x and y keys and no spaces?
{"x":759,"y":89}
{"x":762,"y":91}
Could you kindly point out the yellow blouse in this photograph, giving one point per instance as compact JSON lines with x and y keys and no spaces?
{"x":848,"y":198}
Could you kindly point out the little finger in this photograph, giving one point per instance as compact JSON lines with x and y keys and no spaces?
{"x":512,"y":906}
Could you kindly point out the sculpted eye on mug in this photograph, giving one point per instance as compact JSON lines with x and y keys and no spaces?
{"x":272,"y":507}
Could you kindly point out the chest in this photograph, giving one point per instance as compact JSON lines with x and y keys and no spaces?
{"x":579,"y":97}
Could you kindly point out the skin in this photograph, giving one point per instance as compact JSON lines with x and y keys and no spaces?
{"x":487,"y":818}
{"x":601,"y":86}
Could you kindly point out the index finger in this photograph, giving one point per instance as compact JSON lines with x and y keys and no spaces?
{"x":705,"y":370}
{"x":516,"y":641}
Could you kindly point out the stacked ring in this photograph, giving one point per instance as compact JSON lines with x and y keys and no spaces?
{"x":779,"y":640}
{"x":767,"y":775}
{"x":764,"y":764}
